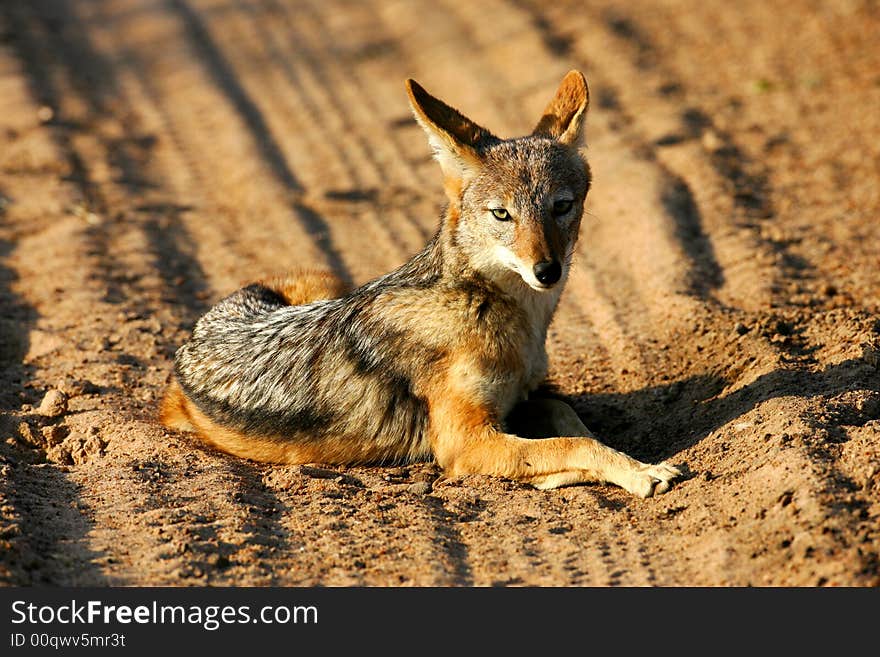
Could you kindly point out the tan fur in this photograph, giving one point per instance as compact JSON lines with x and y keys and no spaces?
{"x":304,"y":286}
{"x":533,"y":246}
{"x":274,"y":449}
{"x":562,"y":117}
{"x":174,"y":409}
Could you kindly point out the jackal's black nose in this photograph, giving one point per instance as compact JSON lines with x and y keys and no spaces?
{"x":548,"y":272}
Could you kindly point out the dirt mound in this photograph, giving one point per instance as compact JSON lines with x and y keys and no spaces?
{"x":723,"y":311}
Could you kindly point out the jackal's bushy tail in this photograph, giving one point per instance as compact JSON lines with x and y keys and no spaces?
{"x":174,"y":411}
{"x":295,"y":288}
{"x":305,"y":286}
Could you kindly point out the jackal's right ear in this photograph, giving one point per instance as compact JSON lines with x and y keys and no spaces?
{"x":564,"y":116}
{"x":456,"y":139}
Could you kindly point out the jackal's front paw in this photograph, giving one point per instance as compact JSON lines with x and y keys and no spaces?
{"x":648,"y":479}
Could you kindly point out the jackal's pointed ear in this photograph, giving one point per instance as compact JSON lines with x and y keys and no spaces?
{"x":456,"y":139}
{"x":564,"y":116}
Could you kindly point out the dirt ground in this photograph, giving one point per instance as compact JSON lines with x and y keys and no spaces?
{"x":723,"y":311}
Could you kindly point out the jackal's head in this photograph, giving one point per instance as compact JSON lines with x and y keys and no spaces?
{"x":515,"y":205}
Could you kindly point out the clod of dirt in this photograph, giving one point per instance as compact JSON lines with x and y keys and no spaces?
{"x":54,"y":434}
{"x":54,"y":404}
{"x":73,"y":387}
{"x":712,"y":141}
{"x":27,"y":435}
{"x":76,"y":449}
{"x":325,"y":473}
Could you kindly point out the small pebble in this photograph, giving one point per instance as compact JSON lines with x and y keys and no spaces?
{"x":419,"y":488}
{"x":711,"y":141}
{"x":53,"y":404}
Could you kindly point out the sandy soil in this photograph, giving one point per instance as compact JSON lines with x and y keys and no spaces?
{"x":723,"y":313}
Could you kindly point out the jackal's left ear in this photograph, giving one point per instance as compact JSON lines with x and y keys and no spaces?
{"x":564,"y":116}
{"x":456,"y":139}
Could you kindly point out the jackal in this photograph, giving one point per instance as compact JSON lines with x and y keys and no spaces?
{"x":429,"y":360}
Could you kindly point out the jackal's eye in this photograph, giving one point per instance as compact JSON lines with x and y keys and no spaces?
{"x":500,"y":214}
{"x":562,"y":207}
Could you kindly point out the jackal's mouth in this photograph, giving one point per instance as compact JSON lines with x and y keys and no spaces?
{"x":538,"y":286}
{"x":507,"y":267}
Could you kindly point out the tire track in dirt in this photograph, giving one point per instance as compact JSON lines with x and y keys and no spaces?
{"x":349,"y":98}
{"x":106,"y":182}
{"x":35,"y":500}
{"x":104,"y":244}
{"x":731,"y":171}
{"x":35,"y":497}
{"x":18,"y":319}
{"x":334,"y":117}
{"x":369,"y":74}
{"x":266,"y":100}
{"x":746,"y":181}
{"x":227,"y":80}
{"x":187,"y":98}
{"x":369,"y":530}
{"x":44,"y":498}
{"x":244,"y":488}
{"x":189,"y":223}
{"x":196,"y":520}
{"x":577,"y":536}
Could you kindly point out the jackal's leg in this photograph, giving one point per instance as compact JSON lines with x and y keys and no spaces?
{"x":642,"y":479}
{"x":464,"y":444}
